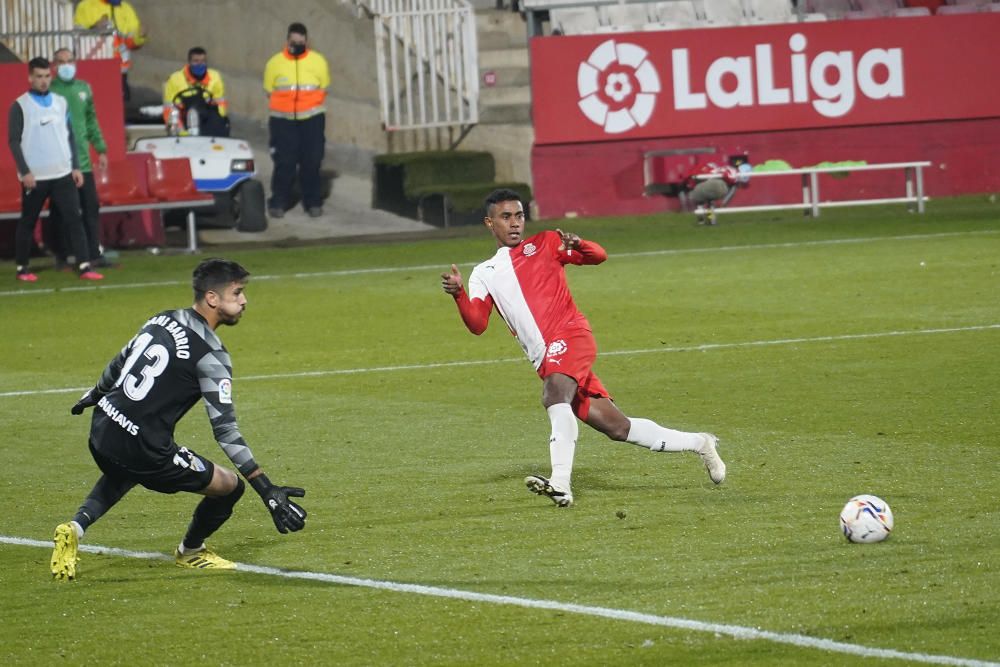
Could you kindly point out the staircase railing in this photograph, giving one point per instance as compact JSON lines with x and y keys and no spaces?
{"x":428,"y":63}
{"x":30,"y":28}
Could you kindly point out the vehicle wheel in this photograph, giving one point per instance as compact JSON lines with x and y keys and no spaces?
{"x":224,"y":214}
{"x":250,"y":206}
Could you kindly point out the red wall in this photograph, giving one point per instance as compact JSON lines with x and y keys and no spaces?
{"x":104,"y":78}
{"x":606,"y":178}
{"x":943,"y":107}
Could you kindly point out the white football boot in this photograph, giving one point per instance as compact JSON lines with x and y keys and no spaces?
{"x":710,"y":456}
{"x":543,"y":487}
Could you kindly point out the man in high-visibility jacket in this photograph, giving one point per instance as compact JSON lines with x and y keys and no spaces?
{"x":119,"y":16}
{"x":197,"y":87}
{"x":295,"y":80}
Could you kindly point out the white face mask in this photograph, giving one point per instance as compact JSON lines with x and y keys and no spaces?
{"x":66,"y":71}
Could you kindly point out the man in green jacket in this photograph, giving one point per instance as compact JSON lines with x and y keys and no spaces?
{"x":87,"y":132}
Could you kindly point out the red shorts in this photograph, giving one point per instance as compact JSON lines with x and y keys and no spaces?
{"x":573,"y":353}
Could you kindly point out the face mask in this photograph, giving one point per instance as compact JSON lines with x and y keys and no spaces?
{"x":198,"y":71}
{"x":66,"y":71}
{"x":296,"y":49}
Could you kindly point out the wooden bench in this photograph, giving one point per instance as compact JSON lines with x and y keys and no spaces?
{"x":913,"y":194}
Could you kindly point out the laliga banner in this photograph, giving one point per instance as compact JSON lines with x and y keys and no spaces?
{"x":764,"y":78}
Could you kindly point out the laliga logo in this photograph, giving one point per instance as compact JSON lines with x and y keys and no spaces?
{"x":618,"y":87}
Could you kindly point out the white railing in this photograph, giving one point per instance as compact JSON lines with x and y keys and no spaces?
{"x":428,"y":63}
{"x":30,"y":28}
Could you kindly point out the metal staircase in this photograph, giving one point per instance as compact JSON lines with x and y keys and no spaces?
{"x":427,"y":63}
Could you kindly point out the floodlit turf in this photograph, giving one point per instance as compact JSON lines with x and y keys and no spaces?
{"x":850,"y":354}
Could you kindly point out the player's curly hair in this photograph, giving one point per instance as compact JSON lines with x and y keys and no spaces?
{"x":215,"y":274}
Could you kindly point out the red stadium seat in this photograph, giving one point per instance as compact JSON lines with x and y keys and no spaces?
{"x":117,"y":185}
{"x":170,"y":180}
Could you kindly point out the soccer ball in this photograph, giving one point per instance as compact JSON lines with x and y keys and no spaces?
{"x":866,"y":519}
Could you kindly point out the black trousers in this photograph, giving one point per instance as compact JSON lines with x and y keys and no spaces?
{"x":63,"y":199}
{"x":297,"y":150}
{"x":57,"y":236}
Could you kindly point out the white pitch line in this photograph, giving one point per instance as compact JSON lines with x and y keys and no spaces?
{"x":437,"y":267}
{"x":734,"y":631}
{"x":705,"y":347}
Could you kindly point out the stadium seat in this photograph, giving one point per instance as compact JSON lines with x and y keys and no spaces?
{"x":627,"y":16}
{"x":10,"y":191}
{"x":944,"y":10}
{"x":884,"y":7}
{"x":170,"y":180}
{"x":681,"y":12}
{"x":725,"y":12}
{"x":772,"y":11}
{"x":833,"y":9}
{"x":117,"y":185}
{"x":932,"y":5}
{"x":574,"y":20}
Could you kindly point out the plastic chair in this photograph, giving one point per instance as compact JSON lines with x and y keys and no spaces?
{"x":170,"y":180}
{"x":117,"y":185}
{"x":833,"y":9}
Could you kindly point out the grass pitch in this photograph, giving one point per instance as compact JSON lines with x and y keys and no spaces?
{"x":856,"y":353}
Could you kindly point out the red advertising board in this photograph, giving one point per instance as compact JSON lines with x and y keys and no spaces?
{"x":764,"y":78}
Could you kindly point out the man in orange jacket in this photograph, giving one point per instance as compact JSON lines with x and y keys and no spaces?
{"x":295,"y":80}
{"x":119,"y":16}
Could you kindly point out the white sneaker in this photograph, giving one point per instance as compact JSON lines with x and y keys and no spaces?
{"x":543,"y":487}
{"x":713,"y":463}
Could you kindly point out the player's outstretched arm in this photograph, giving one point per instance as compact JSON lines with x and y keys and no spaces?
{"x":475,"y":312}
{"x":288,"y":516}
{"x":451,"y":282}
{"x":578,"y":251}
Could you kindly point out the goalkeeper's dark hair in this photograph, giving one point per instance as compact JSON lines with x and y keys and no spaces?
{"x":38,"y":63}
{"x":214,"y":275}
{"x":500,"y":195}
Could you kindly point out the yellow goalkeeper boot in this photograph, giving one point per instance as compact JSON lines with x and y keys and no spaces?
{"x":64,"y":552}
{"x":204,"y":559}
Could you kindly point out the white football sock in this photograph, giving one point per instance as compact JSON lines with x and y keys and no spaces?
{"x":562,"y":443}
{"x":78,"y":528}
{"x":647,"y":433}
{"x":184,"y":550}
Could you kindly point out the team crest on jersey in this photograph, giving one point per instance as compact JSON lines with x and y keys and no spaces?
{"x":226,"y":391}
{"x":556,"y":348}
{"x":529,"y":249}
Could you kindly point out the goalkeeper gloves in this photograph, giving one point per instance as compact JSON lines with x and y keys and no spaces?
{"x":88,"y":400}
{"x":287,"y":516}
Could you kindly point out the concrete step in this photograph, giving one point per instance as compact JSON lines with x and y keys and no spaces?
{"x":497,"y":58}
{"x":504,"y":95}
{"x":499,"y":30}
{"x":507,"y":76}
{"x":492,"y":19}
{"x":499,"y":39}
{"x":505,"y":114}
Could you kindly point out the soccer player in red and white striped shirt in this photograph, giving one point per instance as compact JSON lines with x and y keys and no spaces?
{"x":526,"y":282}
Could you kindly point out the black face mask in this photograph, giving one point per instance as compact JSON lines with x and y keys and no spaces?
{"x":296,"y":49}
